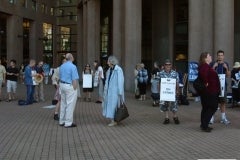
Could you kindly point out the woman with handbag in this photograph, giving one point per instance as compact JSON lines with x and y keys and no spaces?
{"x":209,"y":97}
{"x":113,"y":90}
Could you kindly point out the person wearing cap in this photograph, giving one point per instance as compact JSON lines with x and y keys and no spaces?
{"x":235,"y":76}
{"x":221,"y":67}
{"x":165,"y":106}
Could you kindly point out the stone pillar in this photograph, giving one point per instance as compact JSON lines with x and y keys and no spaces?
{"x":200,"y":28}
{"x":15,"y":39}
{"x":161,"y":30}
{"x":118,"y":28}
{"x":132,"y":43}
{"x":224,"y":28}
{"x":84,"y":35}
{"x":93,"y":30}
{"x":195,"y":29}
{"x":207,"y":26}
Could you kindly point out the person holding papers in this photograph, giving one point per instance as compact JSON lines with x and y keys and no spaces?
{"x":235,"y":75}
{"x":222,"y":69}
{"x":88,"y":82}
{"x":168,"y":92}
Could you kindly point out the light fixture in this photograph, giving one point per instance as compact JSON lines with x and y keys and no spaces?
{"x":181,"y":56}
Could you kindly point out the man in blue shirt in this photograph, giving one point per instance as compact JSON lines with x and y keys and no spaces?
{"x":29,"y":74}
{"x":222,"y":67}
{"x":68,"y":75}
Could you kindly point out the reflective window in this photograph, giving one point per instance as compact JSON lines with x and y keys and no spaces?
{"x":105,"y":36}
{"x":43,"y":8}
{"x":23,"y":3}
{"x":47,"y":43}
{"x":65,"y":39}
{"x":61,"y":12}
{"x":52,"y":11}
{"x":34,"y":5}
{"x":12,"y":1}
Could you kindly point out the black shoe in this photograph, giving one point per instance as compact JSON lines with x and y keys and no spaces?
{"x":8,"y":100}
{"x":166,"y":121}
{"x":73,"y":125}
{"x":208,"y":129}
{"x":176,"y":121}
{"x":56,"y":117}
{"x":98,"y":102}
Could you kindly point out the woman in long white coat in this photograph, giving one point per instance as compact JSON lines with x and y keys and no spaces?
{"x":113,"y":90}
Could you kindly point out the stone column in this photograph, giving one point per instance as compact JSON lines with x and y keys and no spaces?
{"x":118,"y":28}
{"x":93,"y":30}
{"x":132,"y":43}
{"x":15,"y":39}
{"x":80,"y":40}
{"x":200,"y":28}
{"x":36,"y":41}
{"x":207,"y":26}
{"x":84,"y":35}
{"x":195,"y":29}
{"x":224,"y":28}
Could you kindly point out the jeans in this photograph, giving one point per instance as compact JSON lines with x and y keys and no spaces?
{"x":30,"y":94}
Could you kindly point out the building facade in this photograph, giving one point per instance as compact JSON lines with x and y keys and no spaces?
{"x":133,"y":30}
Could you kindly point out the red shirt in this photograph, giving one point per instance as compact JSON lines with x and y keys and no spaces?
{"x":210,"y":77}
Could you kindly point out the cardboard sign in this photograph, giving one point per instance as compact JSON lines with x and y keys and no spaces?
{"x":168,"y":89}
{"x":87,"y":81}
{"x":222,"y":79}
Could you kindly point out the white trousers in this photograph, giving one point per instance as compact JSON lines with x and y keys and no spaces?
{"x":68,"y":103}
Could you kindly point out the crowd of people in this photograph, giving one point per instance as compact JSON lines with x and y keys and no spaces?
{"x":165,"y":86}
{"x":214,"y":75}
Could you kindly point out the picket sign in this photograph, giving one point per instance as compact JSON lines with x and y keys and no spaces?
{"x":168,"y":89}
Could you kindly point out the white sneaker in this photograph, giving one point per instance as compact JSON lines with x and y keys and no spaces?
{"x":212,"y":120}
{"x":113,"y":123}
{"x":225,"y":121}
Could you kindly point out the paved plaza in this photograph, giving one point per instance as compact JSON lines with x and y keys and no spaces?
{"x":29,"y":133}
